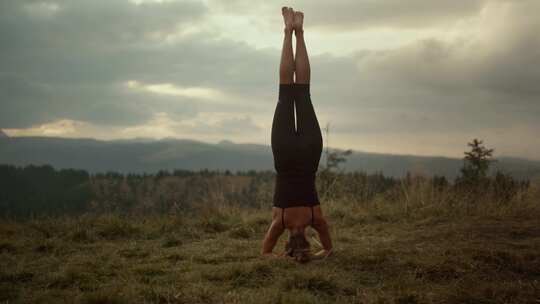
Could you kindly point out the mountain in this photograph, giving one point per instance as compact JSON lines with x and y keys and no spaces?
{"x":2,"y":134}
{"x":150,"y":156}
{"x":135,"y":156}
{"x":399,"y":165}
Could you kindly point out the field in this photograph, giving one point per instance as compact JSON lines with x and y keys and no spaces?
{"x":385,"y":253}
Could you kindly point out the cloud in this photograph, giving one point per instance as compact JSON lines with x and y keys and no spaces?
{"x":434,"y":93}
{"x":498,"y":58}
{"x":348,"y":15}
{"x":73,"y":64}
{"x":169,"y":89}
{"x":354,"y":15}
{"x":63,"y":128}
{"x":208,"y":69}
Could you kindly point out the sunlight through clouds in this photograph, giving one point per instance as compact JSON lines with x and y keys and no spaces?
{"x":64,"y":127}
{"x":206,"y":126}
{"x":174,"y":90}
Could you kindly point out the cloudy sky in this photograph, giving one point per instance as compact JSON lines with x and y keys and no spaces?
{"x":407,"y":77}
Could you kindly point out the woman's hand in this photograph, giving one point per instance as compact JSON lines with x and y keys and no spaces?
{"x":323,"y":254}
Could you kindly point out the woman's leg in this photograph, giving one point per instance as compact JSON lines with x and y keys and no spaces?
{"x":302,"y":67}
{"x":307,"y":123}
{"x":283,"y":122}
{"x":283,"y":129}
{"x":286,"y":65}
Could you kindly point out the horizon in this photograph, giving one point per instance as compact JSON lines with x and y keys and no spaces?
{"x":148,"y":139}
{"x":417,"y":78}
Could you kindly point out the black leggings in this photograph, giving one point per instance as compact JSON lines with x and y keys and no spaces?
{"x":296,"y":152}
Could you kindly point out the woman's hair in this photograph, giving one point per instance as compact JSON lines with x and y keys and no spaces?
{"x":298,"y":247}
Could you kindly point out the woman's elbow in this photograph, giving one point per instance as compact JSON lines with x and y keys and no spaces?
{"x":320,"y":223}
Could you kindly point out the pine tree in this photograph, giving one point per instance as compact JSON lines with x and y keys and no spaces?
{"x":476,"y":162}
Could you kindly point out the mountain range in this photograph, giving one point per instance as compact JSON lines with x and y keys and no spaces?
{"x":150,"y":156}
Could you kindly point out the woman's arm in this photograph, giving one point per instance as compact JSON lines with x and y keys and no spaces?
{"x":321,"y":226}
{"x":272,"y":236}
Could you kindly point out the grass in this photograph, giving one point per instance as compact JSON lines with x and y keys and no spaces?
{"x":384,"y":254}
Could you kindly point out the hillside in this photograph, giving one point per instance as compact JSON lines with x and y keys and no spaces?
{"x":150,"y":156}
{"x":196,"y":238}
{"x":214,"y":257}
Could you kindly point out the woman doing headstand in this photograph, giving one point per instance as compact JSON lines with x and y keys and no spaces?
{"x":296,"y":152}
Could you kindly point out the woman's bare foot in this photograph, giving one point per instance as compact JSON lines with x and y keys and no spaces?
{"x":288,"y":17}
{"x":298,"y":21}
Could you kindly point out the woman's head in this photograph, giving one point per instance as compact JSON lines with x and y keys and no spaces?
{"x":298,"y":247}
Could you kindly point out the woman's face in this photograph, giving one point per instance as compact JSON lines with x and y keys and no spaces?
{"x":298,"y":247}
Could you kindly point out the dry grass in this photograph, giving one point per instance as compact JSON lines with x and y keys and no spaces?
{"x":419,"y":249}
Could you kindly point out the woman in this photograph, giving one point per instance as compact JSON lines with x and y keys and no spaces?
{"x":296,"y":152}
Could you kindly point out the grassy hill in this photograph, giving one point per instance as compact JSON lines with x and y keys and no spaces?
{"x":150,"y":156}
{"x":383,"y":255}
{"x":196,"y":238}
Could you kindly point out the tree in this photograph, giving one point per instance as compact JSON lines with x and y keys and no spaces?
{"x":476,"y":162}
{"x":328,"y":177}
{"x":333,"y":158}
